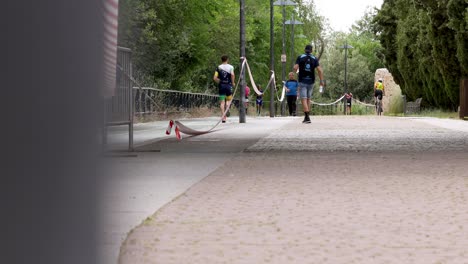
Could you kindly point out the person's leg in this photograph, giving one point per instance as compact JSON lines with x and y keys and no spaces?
{"x":293,"y":104}
{"x":375,"y":100}
{"x":304,"y":100}
{"x":307,"y":114}
{"x":375,"y":103}
{"x":305,"y":105}
{"x":246,"y":105}
{"x":228,"y":101}
{"x":229,"y":97}
{"x":305,"y":108}
{"x":309,"y":89}
{"x":381,"y":101}
{"x":380,"y":97}
{"x":289,"y":100}
{"x":222,"y":106}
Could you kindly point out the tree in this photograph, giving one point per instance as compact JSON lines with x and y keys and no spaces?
{"x":425,"y":47}
{"x":178,"y":44}
{"x":363,"y":60}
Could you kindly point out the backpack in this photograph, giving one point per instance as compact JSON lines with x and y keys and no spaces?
{"x":307,"y":68}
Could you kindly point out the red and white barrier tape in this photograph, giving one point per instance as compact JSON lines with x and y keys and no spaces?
{"x":169,"y":127}
{"x":177,"y":133}
{"x":176,"y":129}
{"x":325,"y":104}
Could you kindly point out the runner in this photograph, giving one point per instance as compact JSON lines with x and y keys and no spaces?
{"x":306,"y":64}
{"x":225,"y":78}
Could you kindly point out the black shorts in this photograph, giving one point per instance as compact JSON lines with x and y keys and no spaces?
{"x":348,"y":103}
{"x":225,"y":89}
{"x":379,"y":94}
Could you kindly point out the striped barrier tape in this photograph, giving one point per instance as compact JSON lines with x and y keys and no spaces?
{"x":325,"y":104}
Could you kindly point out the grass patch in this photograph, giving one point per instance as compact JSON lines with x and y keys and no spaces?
{"x":358,"y":109}
{"x":438,"y":113}
{"x":395,"y":114}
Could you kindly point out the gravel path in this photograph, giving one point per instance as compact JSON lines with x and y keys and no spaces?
{"x":341,"y":190}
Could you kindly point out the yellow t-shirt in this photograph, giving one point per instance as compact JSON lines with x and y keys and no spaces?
{"x":379,"y":86}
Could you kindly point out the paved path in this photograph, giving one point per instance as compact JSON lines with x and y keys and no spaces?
{"x":341,"y":190}
{"x":138,"y":184}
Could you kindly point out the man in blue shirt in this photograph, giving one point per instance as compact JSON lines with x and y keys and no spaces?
{"x":306,"y":64}
{"x":291,"y":93}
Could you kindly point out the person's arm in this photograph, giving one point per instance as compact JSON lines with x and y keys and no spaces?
{"x":215,"y":77}
{"x":233,"y":78}
{"x":320,"y":74}
{"x":296,"y":67}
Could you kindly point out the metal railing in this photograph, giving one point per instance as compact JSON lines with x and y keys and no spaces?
{"x":119,"y":108}
{"x":153,"y":100}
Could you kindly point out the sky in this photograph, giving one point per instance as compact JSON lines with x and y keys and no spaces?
{"x":342,"y":14}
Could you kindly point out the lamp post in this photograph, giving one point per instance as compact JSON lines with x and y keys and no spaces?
{"x":345,"y":89}
{"x":242,"y":55}
{"x":284,"y":3}
{"x":293,"y":22}
{"x":272,"y":60}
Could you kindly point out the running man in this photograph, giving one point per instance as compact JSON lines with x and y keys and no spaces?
{"x":225,"y":78}
{"x":379,"y":91}
{"x":306,"y":64}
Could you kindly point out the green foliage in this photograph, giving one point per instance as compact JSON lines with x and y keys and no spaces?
{"x":423,"y":43}
{"x":362,"y":62}
{"x":178,"y":44}
{"x":357,"y":109}
{"x":425,"y":47}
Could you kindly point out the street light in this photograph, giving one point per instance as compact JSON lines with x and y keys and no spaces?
{"x":293,"y":22}
{"x":345,"y":47}
{"x":242,"y":55}
{"x":290,"y":22}
{"x":272,"y":59}
{"x":284,"y":3}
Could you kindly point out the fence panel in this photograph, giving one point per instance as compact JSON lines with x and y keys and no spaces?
{"x":119,"y":108}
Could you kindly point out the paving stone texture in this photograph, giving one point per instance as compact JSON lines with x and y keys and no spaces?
{"x":339,"y":190}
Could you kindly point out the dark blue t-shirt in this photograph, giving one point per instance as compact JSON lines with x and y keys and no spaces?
{"x":307,"y":64}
